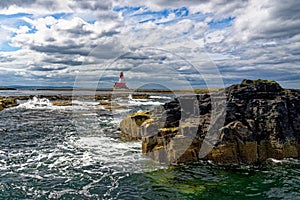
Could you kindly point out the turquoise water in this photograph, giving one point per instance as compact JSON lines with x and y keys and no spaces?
{"x":49,"y":152}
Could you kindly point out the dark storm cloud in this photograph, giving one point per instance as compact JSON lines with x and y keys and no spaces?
{"x":93,"y":5}
{"x":101,"y":9}
{"x":76,"y":31}
{"x":79,"y":30}
{"x":45,"y":69}
{"x":7,"y":3}
{"x":288,"y":9}
{"x":64,"y":61}
{"x":109,"y":33}
{"x":286,"y":14}
{"x":70,"y":49}
{"x":48,"y":4}
{"x":6,"y":59}
{"x":271,"y":20}
{"x":133,"y":56}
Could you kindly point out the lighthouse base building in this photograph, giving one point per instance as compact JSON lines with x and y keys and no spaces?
{"x":121,"y":84}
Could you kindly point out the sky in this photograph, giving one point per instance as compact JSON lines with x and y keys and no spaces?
{"x":174,"y":44}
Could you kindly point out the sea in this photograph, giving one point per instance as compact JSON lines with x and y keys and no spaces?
{"x":76,"y":152}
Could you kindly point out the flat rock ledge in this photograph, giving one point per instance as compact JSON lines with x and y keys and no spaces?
{"x":260,"y":120}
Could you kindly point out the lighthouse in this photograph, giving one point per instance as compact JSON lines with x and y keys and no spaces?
{"x":121,"y":84}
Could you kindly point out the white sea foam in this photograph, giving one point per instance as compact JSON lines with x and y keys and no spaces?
{"x":159,"y":97}
{"x":44,"y":103}
{"x":146,"y":103}
{"x":36,"y":103}
{"x":275,"y":160}
{"x":126,"y":156}
{"x":140,"y":102}
{"x":285,"y":160}
{"x":85,"y":103}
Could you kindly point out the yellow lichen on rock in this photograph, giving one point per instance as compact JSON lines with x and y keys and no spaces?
{"x":131,"y":125}
{"x":7,"y":102}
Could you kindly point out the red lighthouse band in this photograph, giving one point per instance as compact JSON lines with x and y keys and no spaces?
{"x":121,"y":83}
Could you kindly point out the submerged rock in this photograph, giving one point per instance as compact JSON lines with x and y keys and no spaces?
{"x":111,"y":105}
{"x":260,"y":120}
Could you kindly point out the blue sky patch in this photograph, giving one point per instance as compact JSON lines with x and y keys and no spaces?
{"x":126,"y":10}
{"x":181,"y":12}
{"x":60,"y":15}
{"x":18,"y":15}
{"x":147,"y":15}
{"x":220,"y":24}
{"x":5,"y":47}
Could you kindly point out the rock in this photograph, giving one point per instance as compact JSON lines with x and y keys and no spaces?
{"x":7,"y":102}
{"x":62,"y":103}
{"x":6,"y":88}
{"x":103,"y":97}
{"x":131,"y":125}
{"x":140,"y":96}
{"x":261,"y":120}
{"x":105,"y":103}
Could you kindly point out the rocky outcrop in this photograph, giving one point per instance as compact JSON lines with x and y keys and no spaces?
{"x":259,"y":120}
{"x":7,"y":102}
{"x":131,"y":125}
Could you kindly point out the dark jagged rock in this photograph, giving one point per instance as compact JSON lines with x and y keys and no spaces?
{"x":261,"y":120}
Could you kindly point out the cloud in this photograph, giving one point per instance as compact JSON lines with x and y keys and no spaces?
{"x":66,"y":36}
{"x":269,"y":20}
{"x":36,"y":7}
{"x":6,"y":3}
{"x":45,"y":68}
{"x":263,"y":37}
{"x":58,"y":40}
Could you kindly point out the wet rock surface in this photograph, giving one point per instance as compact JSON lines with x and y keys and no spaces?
{"x":131,"y":125}
{"x":7,"y":102}
{"x":62,"y":103}
{"x":258,"y":120}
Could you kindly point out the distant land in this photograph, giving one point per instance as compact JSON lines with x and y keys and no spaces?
{"x":139,"y":90}
{"x":14,"y":87}
{"x":7,"y":88}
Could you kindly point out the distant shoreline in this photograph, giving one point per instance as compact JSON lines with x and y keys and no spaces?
{"x":4,"y":88}
{"x":183,"y":91}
